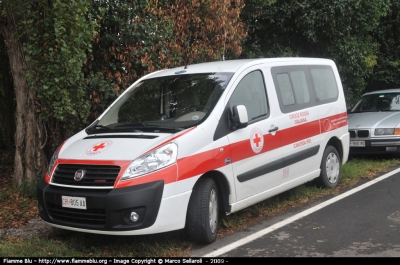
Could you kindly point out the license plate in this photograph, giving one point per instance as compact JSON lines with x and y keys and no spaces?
{"x":357,"y":143}
{"x":74,"y":202}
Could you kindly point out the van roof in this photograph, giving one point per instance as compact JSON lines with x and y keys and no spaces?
{"x":234,"y":65}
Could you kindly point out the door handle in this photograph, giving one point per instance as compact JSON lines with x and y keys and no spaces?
{"x":273,"y":128}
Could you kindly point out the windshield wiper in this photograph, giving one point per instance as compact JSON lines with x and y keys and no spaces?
{"x":136,"y":124}
{"x":144,"y":126}
{"x":91,"y":128}
{"x":101,"y":127}
{"x":174,"y":129}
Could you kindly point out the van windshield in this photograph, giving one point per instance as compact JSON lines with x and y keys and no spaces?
{"x":164,"y":104}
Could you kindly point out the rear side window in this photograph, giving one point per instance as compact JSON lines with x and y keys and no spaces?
{"x":302,"y":86}
{"x":325,"y":84}
{"x":286,"y":89}
{"x":293,"y":87}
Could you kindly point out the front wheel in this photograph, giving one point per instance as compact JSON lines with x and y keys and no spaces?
{"x":202,"y":213}
{"x":330,"y":168}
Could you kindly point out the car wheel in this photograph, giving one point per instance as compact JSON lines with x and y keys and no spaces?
{"x":330,"y":168}
{"x":202,"y":214}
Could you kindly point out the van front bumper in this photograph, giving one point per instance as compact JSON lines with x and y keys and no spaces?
{"x":106,"y":209}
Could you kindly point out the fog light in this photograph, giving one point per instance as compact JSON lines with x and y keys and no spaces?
{"x":391,"y":149}
{"x":134,"y":216}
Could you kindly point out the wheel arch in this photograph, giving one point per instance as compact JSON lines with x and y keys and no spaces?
{"x":335,"y":142}
{"x":223,"y":189}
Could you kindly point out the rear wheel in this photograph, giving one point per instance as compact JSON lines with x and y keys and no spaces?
{"x":330,"y":168}
{"x":202,"y":214}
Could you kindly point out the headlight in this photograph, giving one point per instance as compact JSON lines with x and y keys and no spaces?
{"x":384,"y":131}
{"x":155,"y":160}
{"x":387,"y":131}
{"x":53,"y":160}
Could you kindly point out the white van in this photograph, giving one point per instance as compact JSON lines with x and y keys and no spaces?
{"x":181,"y":146}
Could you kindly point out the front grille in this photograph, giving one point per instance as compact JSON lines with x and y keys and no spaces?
{"x":95,"y":175}
{"x":88,"y":217}
{"x":359,"y":133}
{"x":363,"y":133}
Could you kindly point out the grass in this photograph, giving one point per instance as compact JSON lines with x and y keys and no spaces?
{"x":175,"y":244}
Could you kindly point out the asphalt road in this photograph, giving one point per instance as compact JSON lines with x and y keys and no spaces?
{"x":360,"y":222}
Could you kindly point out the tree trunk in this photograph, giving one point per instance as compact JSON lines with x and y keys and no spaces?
{"x":7,"y":100}
{"x":30,"y":160}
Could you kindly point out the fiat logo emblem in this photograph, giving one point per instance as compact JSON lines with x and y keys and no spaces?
{"x":79,"y":174}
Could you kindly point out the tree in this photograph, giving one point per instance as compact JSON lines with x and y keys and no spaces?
{"x":46,"y":45}
{"x":7,"y":101}
{"x":131,"y":41}
{"x":69,"y":59}
{"x":386,"y":72}
{"x":208,"y":30}
{"x":138,"y":37}
{"x":340,"y":30}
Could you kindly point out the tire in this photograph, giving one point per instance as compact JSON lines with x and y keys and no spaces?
{"x":203,"y":210}
{"x":330,"y":168}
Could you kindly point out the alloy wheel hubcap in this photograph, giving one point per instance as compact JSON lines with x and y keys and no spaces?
{"x":332,"y":168}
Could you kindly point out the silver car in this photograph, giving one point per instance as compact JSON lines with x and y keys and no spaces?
{"x":374,"y":123}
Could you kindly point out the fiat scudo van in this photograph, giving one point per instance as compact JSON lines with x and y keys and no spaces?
{"x":181,"y":146}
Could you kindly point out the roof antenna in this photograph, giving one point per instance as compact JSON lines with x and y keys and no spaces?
{"x":185,"y":67}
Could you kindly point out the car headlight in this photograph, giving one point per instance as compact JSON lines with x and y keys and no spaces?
{"x":387,"y":131}
{"x":155,"y":160}
{"x":53,"y":160}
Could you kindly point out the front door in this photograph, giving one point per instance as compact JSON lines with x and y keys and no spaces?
{"x":256,"y":163}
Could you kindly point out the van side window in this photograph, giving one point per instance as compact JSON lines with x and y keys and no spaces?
{"x":325,"y":84}
{"x":300,"y":87}
{"x":286,"y":89}
{"x":251,"y":93}
{"x":303,"y":86}
{"x":293,"y":87}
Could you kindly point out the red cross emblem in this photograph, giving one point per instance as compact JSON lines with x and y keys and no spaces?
{"x":98,"y":147}
{"x":256,"y":140}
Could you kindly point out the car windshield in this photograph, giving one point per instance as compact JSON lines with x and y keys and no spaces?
{"x":378,"y":102}
{"x":164,"y":104}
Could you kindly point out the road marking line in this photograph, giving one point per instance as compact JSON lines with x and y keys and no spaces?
{"x":289,"y":220}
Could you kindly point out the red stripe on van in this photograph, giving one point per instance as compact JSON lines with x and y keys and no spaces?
{"x":169,"y":140}
{"x":242,"y":150}
{"x":333,"y":122}
{"x":203,"y":162}
{"x":299,"y":132}
{"x":93,"y":162}
{"x":168,"y":174}
{"x":213,"y":159}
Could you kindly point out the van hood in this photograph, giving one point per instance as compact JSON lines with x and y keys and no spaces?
{"x":373,"y":120}
{"x":111,"y":146}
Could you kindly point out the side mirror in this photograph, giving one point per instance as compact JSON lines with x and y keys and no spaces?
{"x":239,"y":117}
